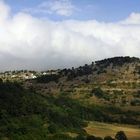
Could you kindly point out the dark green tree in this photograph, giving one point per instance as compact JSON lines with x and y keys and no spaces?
{"x":120,"y":136}
{"x":108,"y":138}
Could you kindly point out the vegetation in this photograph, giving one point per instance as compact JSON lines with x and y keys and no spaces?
{"x":121,"y":136}
{"x":60,"y":104}
{"x":48,"y":78}
{"x":25,"y":114}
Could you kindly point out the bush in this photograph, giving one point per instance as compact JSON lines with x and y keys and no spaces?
{"x":120,"y":136}
{"x":108,"y":138}
{"x":98,"y":92}
{"x":48,"y":78}
{"x":93,"y":138}
{"x":52,"y":128}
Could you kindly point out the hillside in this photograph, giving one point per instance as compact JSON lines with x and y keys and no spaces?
{"x":62,"y":104}
{"x":118,"y":78}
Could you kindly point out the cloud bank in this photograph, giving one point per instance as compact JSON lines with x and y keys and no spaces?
{"x":27,"y":42}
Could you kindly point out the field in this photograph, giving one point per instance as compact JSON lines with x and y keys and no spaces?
{"x":104,"y":129}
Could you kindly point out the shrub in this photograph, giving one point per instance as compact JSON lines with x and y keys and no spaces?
{"x":108,"y":138}
{"x":120,"y":136}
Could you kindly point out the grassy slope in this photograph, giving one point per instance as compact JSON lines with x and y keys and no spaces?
{"x":104,"y":129}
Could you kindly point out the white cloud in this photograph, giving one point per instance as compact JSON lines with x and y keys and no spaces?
{"x":58,"y":7}
{"x":27,"y":42}
{"x":4,"y":10}
{"x":134,"y":18}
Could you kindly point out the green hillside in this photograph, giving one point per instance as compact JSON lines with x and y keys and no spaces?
{"x":60,"y":105}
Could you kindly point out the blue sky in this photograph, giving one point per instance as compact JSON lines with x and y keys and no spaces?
{"x":101,"y":10}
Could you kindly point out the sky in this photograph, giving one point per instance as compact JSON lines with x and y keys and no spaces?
{"x":52,"y":34}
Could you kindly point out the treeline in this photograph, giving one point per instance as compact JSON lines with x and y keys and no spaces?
{"x":117,"y":61}
{"x":97,"y":66}
{"x":48,"y":78}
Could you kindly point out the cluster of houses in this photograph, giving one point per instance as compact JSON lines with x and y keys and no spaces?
{"x":24,"y":74}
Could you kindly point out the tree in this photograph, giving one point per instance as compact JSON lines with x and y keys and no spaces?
{"x":52,"y":128}
{"x":91,"y":138}
{"x":98,"y":92}
{"x":108,"y":138}
{"x":80,"y":137}
{"x":120,"y":136}
{"x":1,"y":81}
